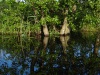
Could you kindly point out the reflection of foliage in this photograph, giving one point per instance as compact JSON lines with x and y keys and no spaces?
{"x":29,"y":54}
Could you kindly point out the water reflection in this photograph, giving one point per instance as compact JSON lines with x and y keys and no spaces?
{"x":76,"y":54}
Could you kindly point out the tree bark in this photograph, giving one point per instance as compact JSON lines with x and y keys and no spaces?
{"x":74,"y":8}
{"x":65,"y":28}
{"x":36,"y":18}
{"x":45,"y":42}
{"x":45,"y":30}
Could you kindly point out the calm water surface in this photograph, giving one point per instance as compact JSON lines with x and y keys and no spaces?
{"x":76,"y":54}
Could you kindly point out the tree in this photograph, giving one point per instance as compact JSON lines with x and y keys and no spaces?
{"x":46,"y":16}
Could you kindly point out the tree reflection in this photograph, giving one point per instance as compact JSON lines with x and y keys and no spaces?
{"x":38,"y":60}
{"x":66,"y":55}
{"x":97,"y":45}
{"x":64,"y":41}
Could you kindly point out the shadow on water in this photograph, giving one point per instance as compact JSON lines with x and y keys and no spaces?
{"x":76,"y":54}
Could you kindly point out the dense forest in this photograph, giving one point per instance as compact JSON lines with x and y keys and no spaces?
{"x":49,"y":16}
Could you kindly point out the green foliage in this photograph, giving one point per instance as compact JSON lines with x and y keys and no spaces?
{"x":21,"y":15}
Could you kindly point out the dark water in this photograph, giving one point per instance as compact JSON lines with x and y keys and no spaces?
{"x":76,"y":54}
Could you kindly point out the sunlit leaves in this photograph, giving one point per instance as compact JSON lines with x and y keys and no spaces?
{"x":43,"y":21}
{"x":79,"y":12}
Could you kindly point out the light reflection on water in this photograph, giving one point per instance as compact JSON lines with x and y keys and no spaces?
{"x":64,"y":55}
{"x":99,"y":52}
{"x":3,"y":59}
{"x":5,"y":62}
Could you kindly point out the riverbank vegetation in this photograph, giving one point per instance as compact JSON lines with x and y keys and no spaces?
{"x":49,"y":16}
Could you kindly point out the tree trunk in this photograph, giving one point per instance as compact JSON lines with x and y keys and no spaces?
{"x":45,"y":30}
{"x":36,"y":18}
{"x":45,"y":42}
{"x":97,"y":43}
{"x":65,"y":28}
